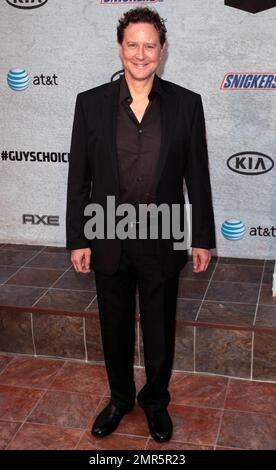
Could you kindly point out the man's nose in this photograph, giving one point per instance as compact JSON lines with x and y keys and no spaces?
{"x":140,"y":52}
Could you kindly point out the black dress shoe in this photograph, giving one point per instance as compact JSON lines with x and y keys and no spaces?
{"x":160,"y":425}
{"x":108,"y":420}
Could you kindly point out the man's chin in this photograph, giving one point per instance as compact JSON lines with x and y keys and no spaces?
{"x":140,"y":77}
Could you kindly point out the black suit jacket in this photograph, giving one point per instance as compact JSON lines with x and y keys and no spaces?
{"x":93,"y":170}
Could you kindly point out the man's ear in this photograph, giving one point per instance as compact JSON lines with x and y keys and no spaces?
{"x":164,"y":47}
{"x":119,"y":48}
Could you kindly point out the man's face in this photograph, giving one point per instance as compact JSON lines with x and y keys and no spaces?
{"x":140,"y":50}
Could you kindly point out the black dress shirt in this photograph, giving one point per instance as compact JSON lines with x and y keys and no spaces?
{"x":138,"y":147}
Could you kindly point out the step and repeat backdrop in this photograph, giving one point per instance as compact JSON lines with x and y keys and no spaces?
{"x":53,"y":49}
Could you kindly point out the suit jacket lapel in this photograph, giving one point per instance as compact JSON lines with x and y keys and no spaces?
{"x":110,"y":125}
{"x":168,"y":112}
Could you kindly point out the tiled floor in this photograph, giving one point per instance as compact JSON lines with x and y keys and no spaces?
{"x":43,"y":277}
{"x":51,"y":404}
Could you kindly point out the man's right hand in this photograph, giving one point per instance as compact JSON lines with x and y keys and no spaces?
{"x":81,"y":260}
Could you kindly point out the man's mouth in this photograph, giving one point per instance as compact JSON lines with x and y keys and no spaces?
{"x":140,"y":66}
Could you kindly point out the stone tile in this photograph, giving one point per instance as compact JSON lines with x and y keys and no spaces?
{"x":232,"y":292}
{"x":112,"y":442}
{"x":195,"y":425}
{"x":248,"y":430}
{"x":16,"y":331}
{"x":268,"y":272}
{"x":93,"y":307}
{"x":187,"y":309}
{"x":16,"y":403}
{"x":79,"y":377}
{"x":35,"y":277}
{"x":67,"y":409}
{"x":264,"y":363}
{"x":7,"y":431}
{"x":6,"y":272}
{"x":270,"y":263}
{"x":266,"y":316}
{"x":56,"y":249}
{"x":266,"y":297}
{"x":50,"y":260}
{"x":227,"y":448}
{"x":251,"y":396}
{"x":197,"y":390}
{"x":222,"y":351}
{"x":174,"y":445}
{"x":191,"y":289}
{"x":242,"y":261}
{"x":23,"y":247}
{"x":139,"y":377}
{"x":42,"y":437}
{"x":68,"y":300}
{"x":104,"y":401}
{"x":15,"y":258}
{"x":4,"y":361}
{"x":134,"y":423}
{"x":59,"y":335}
{"x":188,"y":273}
{"x":227,"y":313}
{"x":19,"y":296}
{"x":77,"y":281}
{"x":30,"y":372}
{"x":238,"y":273}
{"x":184,"y":347}
{"x":93,"y":338}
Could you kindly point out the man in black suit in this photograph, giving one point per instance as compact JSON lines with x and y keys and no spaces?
{"x":136,"y":139}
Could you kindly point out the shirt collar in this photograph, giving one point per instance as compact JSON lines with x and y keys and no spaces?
{"x":125,"y":93}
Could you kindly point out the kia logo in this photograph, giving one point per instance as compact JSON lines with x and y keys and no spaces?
{"x":26,"y":4}
{"x":252,"y":6}
{"x":250,"y":163}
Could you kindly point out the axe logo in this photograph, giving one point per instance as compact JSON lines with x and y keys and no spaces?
{"x":252,"y":6}
{"x":35,"y":219}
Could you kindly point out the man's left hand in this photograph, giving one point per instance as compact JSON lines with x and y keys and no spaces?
{"x":201,"y":259}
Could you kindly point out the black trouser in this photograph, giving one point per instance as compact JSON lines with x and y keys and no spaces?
{"x":117,"y":303}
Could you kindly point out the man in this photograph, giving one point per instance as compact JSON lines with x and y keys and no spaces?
{"x":136,"y":139}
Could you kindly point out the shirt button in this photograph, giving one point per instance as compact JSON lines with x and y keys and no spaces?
{"x":140,"y":131}
{"x":139,"y":179}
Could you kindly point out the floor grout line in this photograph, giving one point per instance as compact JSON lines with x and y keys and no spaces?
{"x":47,"y":289}
{"x":84,"y":338}
{"x":207,"y":288}
{"x":90,"y":303}
{"x":254,"y":323}
{"x":21,"y":266}
{"x":222,"y":414}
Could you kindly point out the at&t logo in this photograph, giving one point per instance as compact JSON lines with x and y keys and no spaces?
{"x":233,"y":229}
{"x":18,"y":79}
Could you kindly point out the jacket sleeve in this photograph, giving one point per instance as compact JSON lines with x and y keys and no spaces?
{"x":198,"y":183}
{"x":79,"y":183}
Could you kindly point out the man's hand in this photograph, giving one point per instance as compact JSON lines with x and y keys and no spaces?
{"x":201,"y":259}
{"x":81,"y":260}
